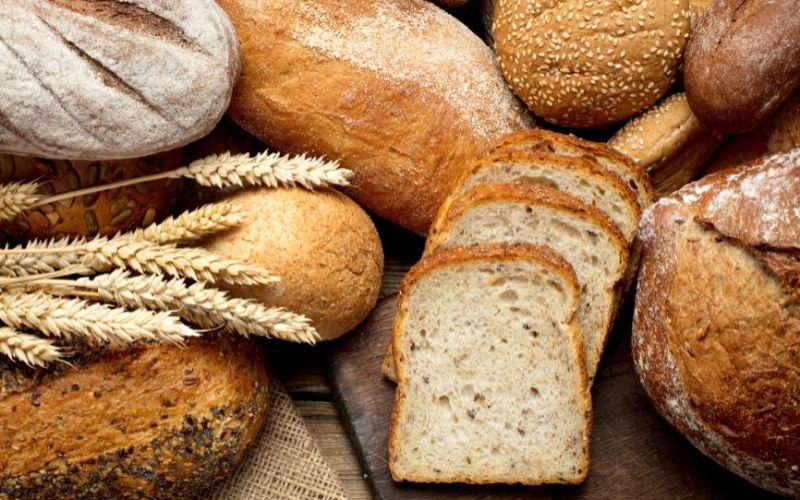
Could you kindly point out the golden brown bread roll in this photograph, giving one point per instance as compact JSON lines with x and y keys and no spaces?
{"x":103,"y":213}
{"x":398,"y":90}
{"x":582,"y":63}
{"x":152,"y":421}
{"x":321,"y":244}
{"x":716,"y":332}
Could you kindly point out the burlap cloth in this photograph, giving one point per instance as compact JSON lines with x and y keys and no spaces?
{"x":284,"y":463}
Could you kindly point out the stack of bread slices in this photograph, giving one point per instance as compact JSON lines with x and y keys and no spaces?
{"x":502,"y":324}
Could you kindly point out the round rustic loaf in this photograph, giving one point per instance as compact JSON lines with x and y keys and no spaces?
{"x":103,"y":213}
{"x":779,"y":134}
{"x":152,"y":421}
{"x":112,"y":79}
{"x":669,"y":142}
{"x":743,"y":61}
{"x":716,"y":331}
{"x":322,"y":245}
{"x":584,"y":63}
{"x":399,"y":91}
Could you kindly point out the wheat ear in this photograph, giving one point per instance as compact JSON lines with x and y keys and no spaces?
{"x":227,"y":170}
{"x":16,"y":197}
{"x":204,"y":306}
{"x":29,"y":349}
{"x":192,"y":226}
{"x":68,"y":318}
{"x":14,"y":263}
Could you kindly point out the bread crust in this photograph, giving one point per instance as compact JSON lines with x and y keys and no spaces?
{"x":706,"y":360}
{"x":489,"y":252}
{"x":154,"y":421}
{"x":399,"y":91}
{"x":743,"y":61}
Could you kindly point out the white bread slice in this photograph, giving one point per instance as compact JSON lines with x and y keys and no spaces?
{"x":585,"y":237}
{"x":491,"y":377}
{"x":578,"y":177}
{"x":614,"y":162}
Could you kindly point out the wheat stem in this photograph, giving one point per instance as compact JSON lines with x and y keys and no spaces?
{"x":29,"y":349}
{"x":227,"y":170}
{"x":16,"y":197}
{"x":68,"y":318}
{"x":192,"y":226}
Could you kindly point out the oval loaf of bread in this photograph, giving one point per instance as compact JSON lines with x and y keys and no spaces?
{"x":716,"y":332}
{"x":115,"y":79}
{"x":398,"y":90}
{"x":152,"y":421}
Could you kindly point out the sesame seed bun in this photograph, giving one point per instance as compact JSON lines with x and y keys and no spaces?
{"x":590,"y":63}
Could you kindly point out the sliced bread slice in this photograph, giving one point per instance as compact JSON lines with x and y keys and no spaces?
{"x":544,"y":141}
{"x":491,"y":377}
{"x":584,"y":236}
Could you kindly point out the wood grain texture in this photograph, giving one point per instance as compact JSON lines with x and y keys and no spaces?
{"x":635,"y":454}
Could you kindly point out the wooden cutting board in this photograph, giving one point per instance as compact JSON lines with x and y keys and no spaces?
{"x":635,"y":454}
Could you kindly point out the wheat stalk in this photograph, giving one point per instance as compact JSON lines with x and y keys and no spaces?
{"x":29,"y":349}
{"x":227,"y":170}
{"x":68,"y":318}
{"x":32,"y":261}
{"x":16,"y":197}
{"x":204,"y":306}
{"x":191,"y":226}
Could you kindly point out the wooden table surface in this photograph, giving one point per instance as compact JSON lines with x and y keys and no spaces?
{"x":302,"y":370}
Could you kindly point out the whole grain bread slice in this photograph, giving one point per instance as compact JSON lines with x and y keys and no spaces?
{"x":492,"y":384}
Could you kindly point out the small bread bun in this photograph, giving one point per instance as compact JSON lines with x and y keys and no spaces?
{"x":580,"y":63}
{"x":669,"y":142}
{"x":322,"y":245}
{"x":104,"y":213}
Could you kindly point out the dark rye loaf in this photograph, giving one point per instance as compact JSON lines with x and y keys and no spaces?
{"x":155,"y":421}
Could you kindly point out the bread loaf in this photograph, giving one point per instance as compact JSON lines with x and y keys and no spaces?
{"x":584,"y":63}
{"x":491,"y":378}
{"x":398,"y":90}
{"x":153,"y":421}
{"x":779,"y":134}
{"x":104,"y":213}
{"x":669,"y":142}
{"x":112,"y":79}
{"x":716,"y":332}
{"x":743,"y":61}
{"x":321,"y":244}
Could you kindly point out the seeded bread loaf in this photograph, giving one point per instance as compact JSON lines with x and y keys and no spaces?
{"x":105,"y":213}
{"x":322,"y":245}
{"x":491,"y":376}
{"x":669,"y":142}
{"x":113,"y":79}
{"x":584,"y":63}
{"x":743,"y":61}
{"x":398,"y":90}
{"x":716,"y":332}
{"x":582,"y":235}
{"x":153,"y":421}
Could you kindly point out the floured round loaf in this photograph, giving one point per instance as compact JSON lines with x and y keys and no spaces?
{"x":716,"y":331}
{"x":398,"y":90}
{"x":90,"y":80}
{"x":151,"y":421}
{"x":322,"y":245}
{"x":590,"y":63}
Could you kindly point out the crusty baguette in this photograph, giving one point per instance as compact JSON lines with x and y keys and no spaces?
{"x":113,"y":79}
{"x":716,"y":326}
{"x":398,"y":90}
{"x":152,"y":421}
{"x":491,"y":377}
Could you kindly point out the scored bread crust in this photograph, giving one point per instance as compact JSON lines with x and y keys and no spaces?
{"x":540,"y":140}
{"x":490,"y":252}
{"x":746,"y":210}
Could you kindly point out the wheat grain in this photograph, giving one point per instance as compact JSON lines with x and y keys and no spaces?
{"x":16,"y":197}
{"x":29,"y":349}
{"x":204,"y":306}
{"x":192,"y":226}
{"x":68,"y":318}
